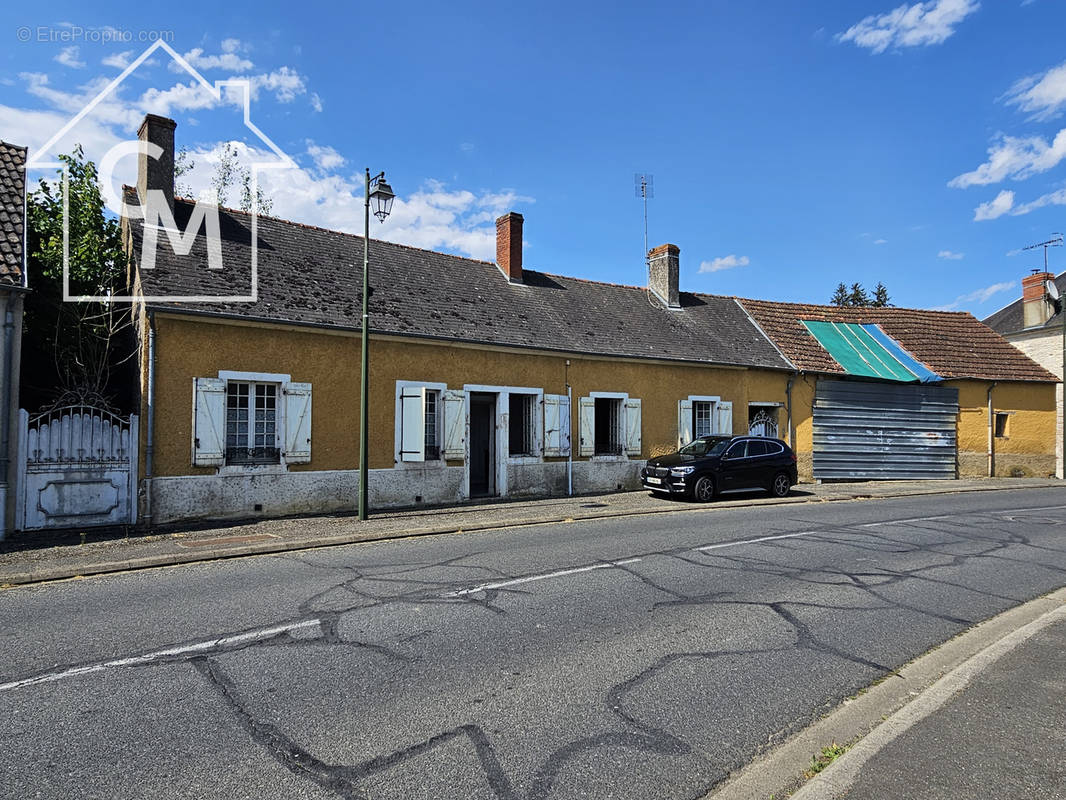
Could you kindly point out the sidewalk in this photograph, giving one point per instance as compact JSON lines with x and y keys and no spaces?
{"x":995,"y":727}
{"x":33,"y":557}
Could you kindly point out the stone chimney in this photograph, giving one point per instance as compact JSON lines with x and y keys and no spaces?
{"x":157,"y":173}
{"x":509,"y":246}
{"x":1036,"y":310}
{"x":664,"y":264}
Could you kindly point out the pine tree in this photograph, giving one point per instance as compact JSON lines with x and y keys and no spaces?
{"x":840,"y":296}
{"x":857,"y":296}
{"x":881,"y":298}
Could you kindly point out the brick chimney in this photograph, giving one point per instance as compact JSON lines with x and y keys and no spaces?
{"x":664,"y":264}
{"x":1036,"y":310}
{"x":157,"y":173}
{"x":509,"y":246}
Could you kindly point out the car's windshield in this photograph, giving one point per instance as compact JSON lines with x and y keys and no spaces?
{"x":704,"y":447}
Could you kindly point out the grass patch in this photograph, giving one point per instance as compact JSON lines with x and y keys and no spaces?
{"x":827,"y":756}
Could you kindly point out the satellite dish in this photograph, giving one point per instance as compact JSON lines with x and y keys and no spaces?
{"x":1051,"y":289}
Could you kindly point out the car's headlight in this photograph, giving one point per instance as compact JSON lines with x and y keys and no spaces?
{"x":681,"y":470}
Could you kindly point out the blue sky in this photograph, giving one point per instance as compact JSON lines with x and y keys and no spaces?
{"x":793,"y":145}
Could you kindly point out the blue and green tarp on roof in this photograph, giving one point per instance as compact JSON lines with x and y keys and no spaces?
{"x":868,"y":351}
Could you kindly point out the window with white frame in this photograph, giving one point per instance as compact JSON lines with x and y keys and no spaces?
{"x":702,"y":418}
{"x":250,"y":419}
{"x":609,"y":436}
{"x":609,"y":425}
{"x":522,"y":424}
{"x":432,"y":425}
{"x":252,"y":423}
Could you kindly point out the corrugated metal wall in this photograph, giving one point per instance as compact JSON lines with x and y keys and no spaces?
{"x":868,"y":431}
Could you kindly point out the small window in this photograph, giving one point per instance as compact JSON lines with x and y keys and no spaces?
{"x":1002,"y":421}
{"x":252,"y":423}
{"x":609,"y":436}
{"x":432,"y":425}
{"x":522,"y":430}
{"x":702,"y":418}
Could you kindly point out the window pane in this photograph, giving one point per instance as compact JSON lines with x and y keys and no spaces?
{"x":608,"y":426}
{"x":432,"y":445}
{"x":701,"y":418}
{"x":520,"y":424}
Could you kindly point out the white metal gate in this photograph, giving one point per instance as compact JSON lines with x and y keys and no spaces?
{"x":77,"y":467}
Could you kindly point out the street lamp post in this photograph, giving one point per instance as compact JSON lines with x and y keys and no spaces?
{"x":382,"y":196}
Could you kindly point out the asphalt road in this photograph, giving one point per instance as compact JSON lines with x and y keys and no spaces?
{"x":625,"y":658}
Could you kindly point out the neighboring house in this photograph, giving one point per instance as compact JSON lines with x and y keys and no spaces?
{"x":1031,"y":324}
{"x":480,"y":373}
{"x":905,"y":393}
{"x":12,"y":293}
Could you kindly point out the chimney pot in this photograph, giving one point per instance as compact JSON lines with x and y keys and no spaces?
{"x":664,"y":266}
{"x":509,"y":246}
{"x":157,"y":173}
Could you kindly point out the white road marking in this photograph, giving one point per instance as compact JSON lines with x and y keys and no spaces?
{"x":542,"y":577}
{"x":972,"y":513}
{"x":148,"y":658}
{"x":760,"y":539}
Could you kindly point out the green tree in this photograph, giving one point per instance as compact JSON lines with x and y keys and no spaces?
{"x":840,"y":296}
{"x":75,"y":351}
{"x":881,"y":298}
{"x":857,"y":296}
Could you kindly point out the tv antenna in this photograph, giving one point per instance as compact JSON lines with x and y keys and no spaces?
{"x":644,"y":184}
{"x":1054,"y":241}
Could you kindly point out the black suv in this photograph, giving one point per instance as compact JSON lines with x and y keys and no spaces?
{"x":713,"y":464}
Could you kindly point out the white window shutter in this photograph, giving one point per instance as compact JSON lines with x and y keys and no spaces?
{"x":684,"y":422}
{"x":209,"y":421}
{"x":586,"y":426}
{"x":556,"y":425}
{"x":454,"y":424}
{"x":297,"y":423}
{"x":633,"y":445}
{"x":725,"y":418}
{"x":413,"y":423}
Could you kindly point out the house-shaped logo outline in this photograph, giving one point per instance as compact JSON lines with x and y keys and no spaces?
{"x":284,"y":162}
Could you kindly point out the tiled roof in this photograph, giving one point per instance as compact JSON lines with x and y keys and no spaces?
{"x":952,"y":344}
{"x":12,"y":211}
{"x":1009,"y":318}
{"x":309,"y":275}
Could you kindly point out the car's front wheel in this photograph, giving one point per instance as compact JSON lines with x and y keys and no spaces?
{"x":703,"y":491}
{"x":781,"y":485}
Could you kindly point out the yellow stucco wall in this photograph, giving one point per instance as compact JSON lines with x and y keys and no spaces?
{"x":190,"y":348}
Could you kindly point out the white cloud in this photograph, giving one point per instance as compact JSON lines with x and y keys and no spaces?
{"x":285,"y":83}
{"x":229,"y":60}
{"x":724,"y":262}
{"x":950,"y":256}
{"x":189,"y":96}
{"x":1002,"y":203}
{"x":880,"y":241}
{"x":1057,"y":198}
{"x":316,"y":102}
{"x":324,"y":156}
{"x":68,"y":57}
{"x":120,"y":60}
{"x":1015,"y":157}
{"x":977,"y":297}
{"x":921,"y":24}
{"x":1043,"y":95}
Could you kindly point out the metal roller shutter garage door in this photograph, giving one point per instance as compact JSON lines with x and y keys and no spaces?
{"x":886,"y":431}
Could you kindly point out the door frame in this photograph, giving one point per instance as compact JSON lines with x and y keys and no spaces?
{"x":502,"y":416}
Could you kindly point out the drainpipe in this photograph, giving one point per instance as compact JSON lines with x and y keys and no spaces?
{"x":991,"y":433}
{"x":149,"y":446}
{"x":5,"y":406}
{"x":788,"y":407}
